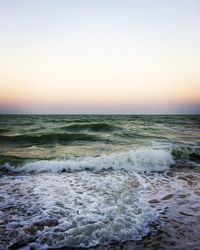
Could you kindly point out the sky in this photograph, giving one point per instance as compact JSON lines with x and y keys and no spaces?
{"x":100,"y":56}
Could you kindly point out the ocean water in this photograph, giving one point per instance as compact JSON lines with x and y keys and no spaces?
{"x":85,"y":181}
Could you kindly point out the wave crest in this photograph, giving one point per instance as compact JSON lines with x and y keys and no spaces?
{"x":140,"y":160}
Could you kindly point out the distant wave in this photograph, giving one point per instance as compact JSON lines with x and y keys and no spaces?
{"x":2,"y":130}
{"x":140,"y":135}
{"x":101,"y":127}
{"x":49,"y":138}
{"x":139,"y":160}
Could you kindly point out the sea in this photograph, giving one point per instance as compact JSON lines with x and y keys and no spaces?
{"x":99,"y":182}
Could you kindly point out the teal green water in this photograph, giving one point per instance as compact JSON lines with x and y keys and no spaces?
{"x":26,"y":137}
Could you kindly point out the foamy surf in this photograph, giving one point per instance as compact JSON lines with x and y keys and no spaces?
{"x":140,"y":160}
{"x":79,"y":209}
{"x":79,"y":202}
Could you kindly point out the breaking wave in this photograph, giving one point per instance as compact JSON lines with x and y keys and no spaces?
{"x":140,"y":160}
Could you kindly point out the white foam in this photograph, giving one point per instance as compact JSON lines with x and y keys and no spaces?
{"x":89,"y":208}
{"x":139,"y":160}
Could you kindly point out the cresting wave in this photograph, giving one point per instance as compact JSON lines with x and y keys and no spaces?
{"x":140,"y":160}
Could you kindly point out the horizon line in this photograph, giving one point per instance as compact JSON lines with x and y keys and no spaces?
{"x":105,"y":114}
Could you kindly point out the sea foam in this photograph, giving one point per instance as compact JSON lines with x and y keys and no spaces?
{"x":79,"y":209}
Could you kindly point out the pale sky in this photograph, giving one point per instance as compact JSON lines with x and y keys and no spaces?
{"x":100,"y":56}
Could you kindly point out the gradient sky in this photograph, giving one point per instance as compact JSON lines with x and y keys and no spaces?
{"x":100,"y":56}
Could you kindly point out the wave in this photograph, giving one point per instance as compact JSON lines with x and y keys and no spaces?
{"x":3,"y":130}
{"x":186,"y":153}
{"x":49,"y":138}
{"x":95,"y":127}
{"x":141,"y":160}
{"x":141,"y":136}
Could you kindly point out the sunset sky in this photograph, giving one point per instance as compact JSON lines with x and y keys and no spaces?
{"x":100,"y":56}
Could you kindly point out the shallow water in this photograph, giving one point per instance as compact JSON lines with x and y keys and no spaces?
{"x":110,"y":182}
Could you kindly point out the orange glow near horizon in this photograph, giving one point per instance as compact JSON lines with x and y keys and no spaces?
{"x":64,"y":96}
